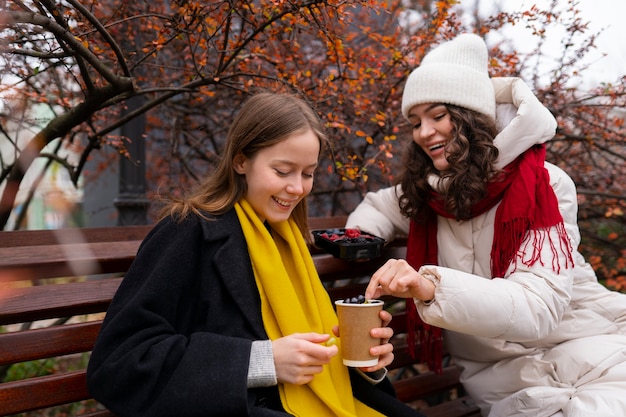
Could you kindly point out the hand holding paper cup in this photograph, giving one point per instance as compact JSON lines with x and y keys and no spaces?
{"x":355,"y":323}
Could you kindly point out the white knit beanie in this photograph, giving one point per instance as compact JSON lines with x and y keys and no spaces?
{"x":455,"y":72}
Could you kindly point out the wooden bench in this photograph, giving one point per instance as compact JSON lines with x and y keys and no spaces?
{"x":45,"y":316}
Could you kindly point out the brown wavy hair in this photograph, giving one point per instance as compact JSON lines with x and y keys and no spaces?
{"x":264,"y":120}
{"x":471,"y":155}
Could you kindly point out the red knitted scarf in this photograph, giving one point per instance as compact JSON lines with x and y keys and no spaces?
{"x":528,"y":210}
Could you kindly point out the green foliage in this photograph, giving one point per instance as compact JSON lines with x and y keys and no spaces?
{"x":49,"y":366}
{"x":30,"y":369}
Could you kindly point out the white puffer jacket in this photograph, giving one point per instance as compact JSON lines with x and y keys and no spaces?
{"x":537,"y":342}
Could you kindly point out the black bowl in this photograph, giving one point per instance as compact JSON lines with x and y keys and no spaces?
{"x":349,"y":244}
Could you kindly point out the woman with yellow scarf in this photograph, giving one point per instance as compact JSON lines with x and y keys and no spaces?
{"x":222,"y":313}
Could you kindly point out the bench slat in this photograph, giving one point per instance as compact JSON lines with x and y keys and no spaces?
{"x":44,"y":391}
{"x":327,"y":222}
{"x":330,"y":268}
{"x":48,"y":342}
{"x":460,"y":407}
{"x":60,"y":300}
{"x":11,"y":239}
{"x":75,"y":259}
{"x":114,"y":234}
{"x":426,"y":384}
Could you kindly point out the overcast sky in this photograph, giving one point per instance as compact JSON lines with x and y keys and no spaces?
{"x":608,"y":15}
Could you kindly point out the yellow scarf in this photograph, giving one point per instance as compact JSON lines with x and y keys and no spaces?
{"x":293,"y":300}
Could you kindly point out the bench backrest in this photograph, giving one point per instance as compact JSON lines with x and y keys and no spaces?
{"x":68,"y":312}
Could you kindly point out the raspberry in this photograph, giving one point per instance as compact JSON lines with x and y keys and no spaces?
{"x":352,"y":233}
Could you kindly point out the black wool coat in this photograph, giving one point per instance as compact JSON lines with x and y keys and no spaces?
{"x":176,"y":339}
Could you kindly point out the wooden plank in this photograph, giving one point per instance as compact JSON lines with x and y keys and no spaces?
{"x":48,"y":342}
{"x":327,"y":222}
{"x":426,"y":384}
{"x":27,"y":255}
{"x":113,"y":233}
{"x":15,"y":238}
{"x":75,"y":259}
{"x":330,"y":268}
{"x":59,"y":300}
{"x":460,"y":407}
{"x":42,"y":392}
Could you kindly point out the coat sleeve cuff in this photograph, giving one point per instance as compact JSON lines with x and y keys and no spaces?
{"x":261,"y":370}
{"x":431,"y":274}
{"x":374,"y":377}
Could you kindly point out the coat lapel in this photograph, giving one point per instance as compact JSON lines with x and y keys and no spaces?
{"x":232,"y":262}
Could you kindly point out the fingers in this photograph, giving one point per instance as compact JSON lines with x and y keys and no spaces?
{"x":383,"y":333}
{"x":396,"y":277}
{"x":383,"y":348}
{"x":311,"y":337}
{"x":385,"y":357}
{"x":374,"y":289}
{"x":384,"y":360}
{"x":318,"y":350}
{"x":389,"y":279}
{"x":300,"y":356}
{"x":385,"y":317}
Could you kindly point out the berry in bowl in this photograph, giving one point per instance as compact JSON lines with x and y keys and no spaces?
{"x":349,"y":244}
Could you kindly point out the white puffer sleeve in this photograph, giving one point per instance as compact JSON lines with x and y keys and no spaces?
{"x":379,"y":214}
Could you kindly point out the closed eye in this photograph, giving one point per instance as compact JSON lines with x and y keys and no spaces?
{"x":287,"y":173}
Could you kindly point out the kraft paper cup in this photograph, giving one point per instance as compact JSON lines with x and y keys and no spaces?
{"x":355,"y":323}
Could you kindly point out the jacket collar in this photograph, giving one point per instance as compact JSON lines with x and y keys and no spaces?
{"x":232,"y":262}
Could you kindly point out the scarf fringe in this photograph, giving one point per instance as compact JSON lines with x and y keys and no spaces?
{"x":516,"y":230}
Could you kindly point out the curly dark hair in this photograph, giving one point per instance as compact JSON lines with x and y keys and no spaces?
{"x":472,"y":157}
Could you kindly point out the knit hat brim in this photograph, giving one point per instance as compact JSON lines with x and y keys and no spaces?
{"x":453,"y":73}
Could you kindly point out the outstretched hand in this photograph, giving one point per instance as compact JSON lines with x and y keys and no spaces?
{"x":396,"y":277}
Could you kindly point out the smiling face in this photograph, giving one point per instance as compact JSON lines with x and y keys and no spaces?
{"x":432,"y":130}
{"x":280,"y":176}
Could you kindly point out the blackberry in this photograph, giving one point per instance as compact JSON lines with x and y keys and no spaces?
{"x":355,"y":300}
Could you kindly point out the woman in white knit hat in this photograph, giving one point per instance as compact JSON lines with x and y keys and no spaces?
{"x":492,"y":247}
